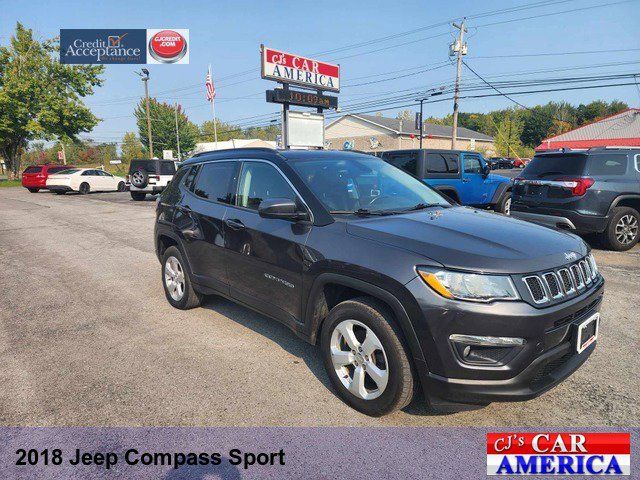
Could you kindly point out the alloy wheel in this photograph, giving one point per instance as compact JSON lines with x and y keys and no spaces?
{"x":359,"y":359}
{"x":174,"y":278}
{"x":507,"y":206}
{"x":626,"y":229}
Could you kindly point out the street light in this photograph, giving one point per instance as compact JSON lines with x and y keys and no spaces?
{"x":145,"y":78}
{"x":434,"y":92}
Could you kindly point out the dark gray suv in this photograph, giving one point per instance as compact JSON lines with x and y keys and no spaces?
{"x":403,"y":291}
{"x":594,"y":191}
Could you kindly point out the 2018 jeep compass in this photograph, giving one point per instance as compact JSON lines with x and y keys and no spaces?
{"x":400,"y":288}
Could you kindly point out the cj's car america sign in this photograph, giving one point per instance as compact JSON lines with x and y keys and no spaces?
{"x":126,"y":46}
{"x":558,"y":454}
{"x":297,"y":70}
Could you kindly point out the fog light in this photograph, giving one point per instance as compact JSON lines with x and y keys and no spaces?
{"x":487,"y":341}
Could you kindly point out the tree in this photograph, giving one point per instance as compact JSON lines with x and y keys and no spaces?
{"x":406,"y":115}
{"x":39,"y":97}
{"x":132,"y":148}
{"x":163,"y":127}
{"x":226,"y":131}
{"x":507,"y":138}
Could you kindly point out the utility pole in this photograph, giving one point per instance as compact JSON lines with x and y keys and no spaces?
{"x":145,"y":79}
{"x":461,"y":49}
{"x":177,"y":133}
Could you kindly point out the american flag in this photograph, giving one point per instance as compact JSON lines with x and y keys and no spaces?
{"x":211,"y":90}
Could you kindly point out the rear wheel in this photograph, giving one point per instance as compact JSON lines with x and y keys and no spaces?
{"x":121,"y":186}
{"x":504,"y":205}
{"x":365,"y":358}
{"x":84,"y":188}
{"x":623,"y":230}
{"x":138,"y":196}
{"x":177,"y":282}
{"x":33,"y":190}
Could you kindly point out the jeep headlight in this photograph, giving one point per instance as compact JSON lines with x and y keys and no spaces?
{"x":469,"y":286}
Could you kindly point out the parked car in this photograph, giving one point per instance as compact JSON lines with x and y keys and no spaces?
{"x":84,"y":180}
{"x":149,"y":177}
{"x":34,"y":178}
{"x":498,"y":163}
{"x":400,"y":288}
{"x":520,"y":162}
{"x":463,"y":176}
{"x":596,"y":191}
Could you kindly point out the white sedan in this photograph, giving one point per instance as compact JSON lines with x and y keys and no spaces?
{"x":84,"y":180}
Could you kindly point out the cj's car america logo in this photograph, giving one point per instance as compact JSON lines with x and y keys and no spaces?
{"x":558,"y":453}
{"x":133,"y":46}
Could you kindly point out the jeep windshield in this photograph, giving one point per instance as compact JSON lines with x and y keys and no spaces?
{"x":364,"y":185}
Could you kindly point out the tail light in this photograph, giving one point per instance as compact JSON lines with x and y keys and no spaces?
{"x":578,"y":185}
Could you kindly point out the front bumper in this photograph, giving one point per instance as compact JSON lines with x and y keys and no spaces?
{"x":547,"y":358}
{"x":558,"y":218}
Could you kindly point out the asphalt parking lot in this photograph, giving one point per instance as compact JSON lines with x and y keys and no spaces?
{"x":87,"y":338}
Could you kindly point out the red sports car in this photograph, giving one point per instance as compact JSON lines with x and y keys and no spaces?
{"x":34,"y":178}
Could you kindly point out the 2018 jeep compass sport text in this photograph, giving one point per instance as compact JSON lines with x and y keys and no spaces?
{"x":402,"y":290}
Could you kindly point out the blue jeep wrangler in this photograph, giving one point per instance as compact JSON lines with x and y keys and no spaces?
{"x":461,"y":175}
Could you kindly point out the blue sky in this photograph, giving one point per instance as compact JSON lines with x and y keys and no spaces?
{"x":228,"y":35}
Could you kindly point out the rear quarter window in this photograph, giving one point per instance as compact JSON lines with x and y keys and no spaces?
{"x":607,"y":164}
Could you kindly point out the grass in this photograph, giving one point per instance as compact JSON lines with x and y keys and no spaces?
{"x":10,"y":183}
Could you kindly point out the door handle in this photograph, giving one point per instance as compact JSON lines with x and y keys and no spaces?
{"x":234,"y":224}
{"x":466,"y":180}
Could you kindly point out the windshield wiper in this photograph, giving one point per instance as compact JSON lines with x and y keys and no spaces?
{"x":422,"y":206}
{"x":361,"y":211}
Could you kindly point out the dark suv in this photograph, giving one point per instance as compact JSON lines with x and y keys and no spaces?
{"x":594,"y":191}
{"x":399,"y":287}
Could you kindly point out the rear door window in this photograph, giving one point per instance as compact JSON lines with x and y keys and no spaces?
{"x":404,"y":161}
{"x":607,"y":164}
{"x":215,"y":180}
{"x":442,"y":163}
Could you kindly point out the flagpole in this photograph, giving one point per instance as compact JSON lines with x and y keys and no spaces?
{"x":213,"y":111}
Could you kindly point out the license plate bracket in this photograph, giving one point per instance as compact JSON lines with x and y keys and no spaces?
{"x":587,"y":332}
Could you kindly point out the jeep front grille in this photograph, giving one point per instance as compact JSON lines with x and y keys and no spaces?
{"x":563,"y":282}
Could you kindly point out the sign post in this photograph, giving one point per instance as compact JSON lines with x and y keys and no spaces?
{"x":306,"y":73}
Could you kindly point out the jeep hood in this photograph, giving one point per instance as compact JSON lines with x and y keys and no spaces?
{"x":468,"y":239}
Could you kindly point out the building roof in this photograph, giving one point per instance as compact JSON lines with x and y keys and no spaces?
{"x":621,"y":129}
{"x":407,"y":127}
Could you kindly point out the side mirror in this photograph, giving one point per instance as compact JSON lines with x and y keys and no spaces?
{"x":282,"y":208}
{"x":485,"y":170}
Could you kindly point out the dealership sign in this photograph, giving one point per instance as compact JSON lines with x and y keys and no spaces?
{"x":297,"y":70}
{"x":124,"y":46}
{"x":565,"y":454}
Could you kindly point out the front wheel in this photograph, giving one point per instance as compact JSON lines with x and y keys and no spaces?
{"x":121,"y":187}
{"x":366,"y":361}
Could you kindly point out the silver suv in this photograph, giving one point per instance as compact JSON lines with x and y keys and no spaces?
{"x":149,"y":176}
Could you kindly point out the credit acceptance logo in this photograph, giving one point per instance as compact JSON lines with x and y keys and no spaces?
{"x":126,"y":46}
{"x":558,"y":453}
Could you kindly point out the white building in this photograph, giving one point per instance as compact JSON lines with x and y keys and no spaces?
{"x":233,"y":143}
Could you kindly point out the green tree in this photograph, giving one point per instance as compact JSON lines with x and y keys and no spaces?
{"x":39,"y":97}
{"x":163,"y":127}
{"x":132,"y":148}
{"x":226,"y":131}
{"x":507,"y":137}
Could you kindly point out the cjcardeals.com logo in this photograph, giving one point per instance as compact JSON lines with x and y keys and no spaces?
{"x":558,"y":453}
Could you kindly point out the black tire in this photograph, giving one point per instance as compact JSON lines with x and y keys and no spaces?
{"x":33,"y":190}
{"x":138,"y":196}
{"x":401,"y":383}
{"x":140,"y":178}
{"x":84,"y":188}
{"x":59,"y":192}
{"x":504,"y":204}
{"x":612,"y":238}
{"x":121,"y":187}
{"x":190,"y":298}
